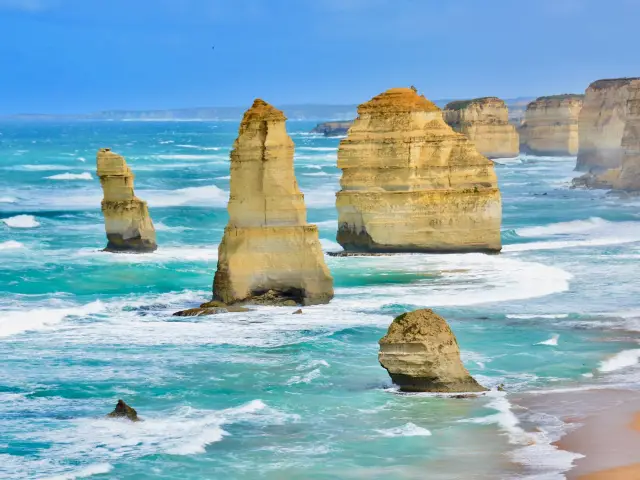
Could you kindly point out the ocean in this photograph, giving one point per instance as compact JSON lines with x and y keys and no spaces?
{"x":267,"y":394}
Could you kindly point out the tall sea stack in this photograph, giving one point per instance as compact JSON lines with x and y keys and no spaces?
{"x":268,"y":249}
{"x":412,"y":184}
{"x":484,"y":121}
{"x":127,"y":221}
{"x":550,"y":125}
{"x":602,"y":122}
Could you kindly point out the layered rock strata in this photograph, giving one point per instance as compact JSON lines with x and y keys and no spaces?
{"x":269,"y":253}
{"x":332,"y":129}
{"x":127,"y":220}
{"x":421,"y":354}
{"x":485,"y":121}
{"x":412,"y":184}
{"x":550,"y":125}
{"x":601,"y":125}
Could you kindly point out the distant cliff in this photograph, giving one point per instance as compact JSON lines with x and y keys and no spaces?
{"x":333,"y":129}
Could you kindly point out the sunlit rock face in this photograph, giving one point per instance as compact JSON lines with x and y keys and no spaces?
{"x":485,"y":121}
{"x":412,"y":184}
{"x":268,"y":251}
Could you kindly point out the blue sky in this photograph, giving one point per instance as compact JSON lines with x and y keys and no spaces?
{"x":74,"y":56}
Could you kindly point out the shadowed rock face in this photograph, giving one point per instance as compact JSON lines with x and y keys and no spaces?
{"x":421,"y":354}
{"x":269,"y":253}
{"x":127,"y":220}
{"x":484,"y":121}
{"x":412,"y":184}
{"x":123,"y":410}
{"x":602,"y":123}
{"x":550,"y":125}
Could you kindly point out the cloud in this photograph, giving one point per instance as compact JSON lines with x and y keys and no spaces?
{"x":30,"y":6}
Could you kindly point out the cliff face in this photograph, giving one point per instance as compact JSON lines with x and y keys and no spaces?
{"x":127,"y":221}
{"x":421,"y":354}
{"x":484,"y":121}
{"x":332,"y":129}
{"x":601,"y":125}
{"x":412,"y":184}
{"x":267,"y":244}
{"x":550,"y":125}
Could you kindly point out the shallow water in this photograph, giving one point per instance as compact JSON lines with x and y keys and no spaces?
{"x":266,"y":394}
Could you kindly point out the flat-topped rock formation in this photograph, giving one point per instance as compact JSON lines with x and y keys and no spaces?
{"x":602,"y":122}
{"x":412,"y":184}
{"x":550,"y":125}
{"x":127,"y":220}
{"x":484,"y":121}
{"x":333,"y":129}
{"x":269,"y":253}
{"x":421,"y":354}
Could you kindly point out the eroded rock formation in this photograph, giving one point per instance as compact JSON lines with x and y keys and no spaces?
{"x":484,"y":121}
{"x":412,"y":184}
{"x":550,"y":125}
{"x":127,"y":220}
{"x":421,"y":354}
{"x":332,"y":129}
{"x":602,"y":122}
{"x":269,"y":253}
{"x":123,"y":410}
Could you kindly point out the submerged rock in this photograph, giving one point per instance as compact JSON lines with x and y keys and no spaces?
{"x":333,"y":129}
{"x":127,"y":220}
{"x":213,"y":307}
{"x":269,"y":254}
{"x":123,"y":410}
{"x":298,"y":312}
{"x":421,"y":354}
{"x":412,"y":184}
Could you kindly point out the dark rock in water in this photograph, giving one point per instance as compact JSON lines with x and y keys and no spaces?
{"x":213,"y":307}
{"x":123,"y":410}
{"x":290,"y":298}
{"x":298,"y":312}
{"x":501,"y":387}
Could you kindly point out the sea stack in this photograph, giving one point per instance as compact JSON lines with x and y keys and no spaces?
{"x":269,"y":253}
{"x":127,"y":221}
{"x":421,"y":354}
{"x":550,"y":125}
{"x":412,"y":184}
{"x":485,"y":121}
{"x":602,"y":122}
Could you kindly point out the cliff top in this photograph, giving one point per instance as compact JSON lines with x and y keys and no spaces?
{"x":262,"y":111}
{"x":611,"y":83}
{"x":563,"y":96}
{"x":462,"y":104}
{"x":416,"y":326}
{"x":398,"y":100}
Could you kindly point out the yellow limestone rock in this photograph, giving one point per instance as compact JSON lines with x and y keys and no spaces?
{"x":269,"y":253}
{"x":412,"y":184}
{"x":127,"y":221}
{"x":485,"y":121}
{"x":421,"y":354}
{"x":602,"y":122}
{"x":550,"y":125}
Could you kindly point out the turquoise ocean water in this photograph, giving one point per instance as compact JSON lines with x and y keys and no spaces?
{"x":266,"y":394}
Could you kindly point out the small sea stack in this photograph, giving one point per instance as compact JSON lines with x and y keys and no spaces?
{"x":269,"y":254}
{"x":485,"y":121}
{"x":127,"y":221}
{"x":602,"y":123}
{"x":123,"y":410}
{"x":550,"y":125}
{"x":333,"y":129}
{"x":412,"y":184}
{"x":421,"y":354}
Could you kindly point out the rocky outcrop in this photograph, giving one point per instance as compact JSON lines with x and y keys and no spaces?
{"x":123,"y":410}
{"x":213,"y":307}
{"x":602,"y":122}
{"x":421,"y":354}
{"x":484,"y":121}
{"x":269,"y":253}
{"x":550,"y":125}
{"x":332,"y":129}
{"x":412,"y":184}
{"x":127,"y":221}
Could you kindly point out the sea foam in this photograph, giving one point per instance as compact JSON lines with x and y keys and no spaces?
{"x":624,"y":359}
{"x":21,"y":221}
{"x":71,"y":176}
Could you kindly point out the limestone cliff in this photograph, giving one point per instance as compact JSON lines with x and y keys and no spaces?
{"x":268,"y":244}
{"x":412,"y":184}
{"x":484,"y":121}
{"x":421,"y":354}
{"x":601,"y":124}
{"x":550,"y":125}
{"x":127,"y":221}
{"x":332,"y":129}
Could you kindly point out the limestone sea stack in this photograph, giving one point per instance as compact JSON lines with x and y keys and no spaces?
{"x":127,"y":220}
{"x":332,"y":129}
{"x":601,"y":125}
{"x":412,"y":184}
{"x":485,"y":121}
{"x":550,"y":125}
{"x":421,"y":354}
{"x":269,"y":252}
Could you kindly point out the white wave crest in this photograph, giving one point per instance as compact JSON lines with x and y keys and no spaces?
{"x":564,"y":228}
{"x":407,"y":430}
{"x":198,"y":147}
{"x":624,"y":359}
{"x":205,"y":196}
{"x":85,"y":472}
{"x":161,"y":227}
{"x":553,"y":341}
{"x":191,"y":157}
{"x":71,"y":176}
{"x":11,"y":245}
{"x":21,"y":221}
{"x":8,"y":200}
